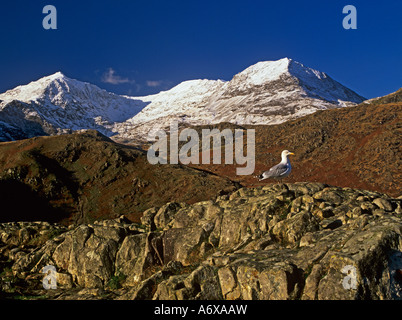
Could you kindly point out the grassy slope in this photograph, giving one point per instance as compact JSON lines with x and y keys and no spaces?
{"x":86,"y":176}
{"x":355,"y":147}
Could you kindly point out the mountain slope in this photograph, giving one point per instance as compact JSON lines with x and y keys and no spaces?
{"x":390,"y":98}
{"x":357,"y":147}
{"x":84,"y":176}
{"x":59,"y":104}
{"x":268,"y":92}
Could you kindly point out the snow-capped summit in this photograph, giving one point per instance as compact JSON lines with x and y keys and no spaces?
{"x":263,"y":72}
{"x":268,"y":92}
{"x":57,"y":92}
{"x":267,"y":71}
{"x":32,"y":91}
{"x":312,"y":82}
{"x":60,"y":104}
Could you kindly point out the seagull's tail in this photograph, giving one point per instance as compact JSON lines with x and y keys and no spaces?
{"x":259,"y":177}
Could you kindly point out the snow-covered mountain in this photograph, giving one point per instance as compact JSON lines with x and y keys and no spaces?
{"x":268,"y":92}
{"x":57,"y":104}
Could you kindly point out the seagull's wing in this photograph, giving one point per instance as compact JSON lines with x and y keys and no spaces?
{"x":275,"y":172}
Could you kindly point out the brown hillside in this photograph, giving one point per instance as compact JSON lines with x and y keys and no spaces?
{"x":85,"y":176}
{"x":390,"y":98}
{"x":356,"y":147}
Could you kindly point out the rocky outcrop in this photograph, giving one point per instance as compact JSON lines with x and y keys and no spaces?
{"x":290,"y":241}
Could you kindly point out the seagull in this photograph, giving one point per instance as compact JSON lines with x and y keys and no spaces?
{"x":279,"y":171}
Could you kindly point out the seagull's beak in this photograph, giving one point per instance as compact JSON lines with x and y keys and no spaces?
{"x":291,"y":154}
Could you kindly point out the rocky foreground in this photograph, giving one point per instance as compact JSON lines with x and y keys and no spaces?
{"x":290,"y":241}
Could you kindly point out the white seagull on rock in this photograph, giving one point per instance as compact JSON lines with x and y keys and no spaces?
{"x":279,"y":171}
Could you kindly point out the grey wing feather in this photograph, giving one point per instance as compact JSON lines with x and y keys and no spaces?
{"x":275,"y":172}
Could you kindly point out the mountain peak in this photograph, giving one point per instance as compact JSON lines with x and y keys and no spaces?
{"x":33,"y":90}
{"x":265,"y":71}
{"x":56,"y":75}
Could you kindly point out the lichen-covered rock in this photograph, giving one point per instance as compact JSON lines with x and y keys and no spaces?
{"x":291,"y":230}
{"x":134,"y":256}
{"x":287,"y":241}
{"x":201,"y":284}
{"x":88,"y":257}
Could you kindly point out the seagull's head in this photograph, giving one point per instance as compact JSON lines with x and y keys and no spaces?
{"x":286,"y":153}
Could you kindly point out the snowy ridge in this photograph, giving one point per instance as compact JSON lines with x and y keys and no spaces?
{"x":267,"y":92}
{"x":58,"y":91}
{"x":185,"y":99}
{"x":63,"y":104}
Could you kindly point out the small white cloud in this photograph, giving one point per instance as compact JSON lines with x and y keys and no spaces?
{"x":111,"y":77}
{"x":153,"y":83}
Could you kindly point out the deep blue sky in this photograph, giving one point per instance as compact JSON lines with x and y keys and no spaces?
{"x":147,"y":46}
